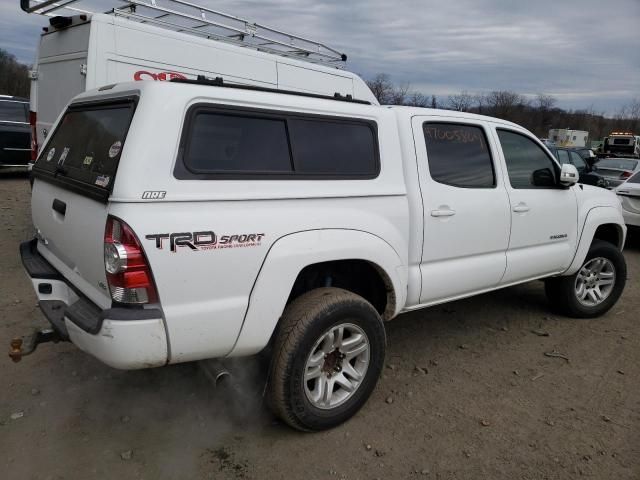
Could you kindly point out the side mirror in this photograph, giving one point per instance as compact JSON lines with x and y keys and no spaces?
{"x":568,"y":175}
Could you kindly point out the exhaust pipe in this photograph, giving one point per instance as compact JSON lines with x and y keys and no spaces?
{"x":216,"y":372}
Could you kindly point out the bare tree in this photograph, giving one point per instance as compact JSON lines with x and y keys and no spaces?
{"x":389,"y":94}
{"x":417,"y":99}
{"x":628,"y":116}
{"x":545,"y":102}
{"x":507,"y":105}
{"x":461,"y":102}
{"x":399,"y":94}
{"x":14,"y":79}
{"x":381,"y":87}
{"x":480,"y":100}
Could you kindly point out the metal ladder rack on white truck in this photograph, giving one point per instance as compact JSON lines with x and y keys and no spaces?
{"x":83,"y":49}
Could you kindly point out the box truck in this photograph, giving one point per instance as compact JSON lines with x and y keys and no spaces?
{"x":159,"y":40}
{"x":565,"y":137}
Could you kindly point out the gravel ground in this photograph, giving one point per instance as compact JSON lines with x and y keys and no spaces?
{"x":467,"y":393}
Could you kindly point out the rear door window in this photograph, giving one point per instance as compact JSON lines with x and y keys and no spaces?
{"x":85,"y":148}
{"x":459,"y":155}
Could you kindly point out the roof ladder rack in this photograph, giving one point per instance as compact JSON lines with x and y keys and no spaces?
{"x":198,"y":20}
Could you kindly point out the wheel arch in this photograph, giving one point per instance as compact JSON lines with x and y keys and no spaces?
{"x":301,"y":255}
{"x":603,"y":223}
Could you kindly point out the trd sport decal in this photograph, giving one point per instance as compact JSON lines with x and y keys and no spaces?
{"x":204,"y":240}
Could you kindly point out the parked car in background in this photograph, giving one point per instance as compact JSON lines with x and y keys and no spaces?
{"x":588,"y":174}
{"x":629,"y":195}
{"x":15,"y":134}
{"x":617,"y":170}
{"x":587,"y":154}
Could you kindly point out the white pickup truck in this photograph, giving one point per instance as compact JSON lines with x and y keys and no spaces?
{"x":187,"y":220}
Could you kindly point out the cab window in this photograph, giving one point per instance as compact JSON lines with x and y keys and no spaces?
{"x":527,"y":163}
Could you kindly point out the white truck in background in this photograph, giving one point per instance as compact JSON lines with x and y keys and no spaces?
{"x":622,"y":144}
{"x":170,"y":39}
{"x":565,"y":137}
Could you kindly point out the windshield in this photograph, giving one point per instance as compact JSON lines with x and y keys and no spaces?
{"x":86,"y":145}
{"x":635,"y":178}
{"x":619,"y":163}
{"x":12,"y":111}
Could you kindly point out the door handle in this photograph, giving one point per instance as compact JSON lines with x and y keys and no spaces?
{"x":443,"y":213}
{"x":521,"y":208}
{"x":59,"y":206}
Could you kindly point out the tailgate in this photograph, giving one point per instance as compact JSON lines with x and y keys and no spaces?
{"x":74,"y":175}
{"x":70,"y":227}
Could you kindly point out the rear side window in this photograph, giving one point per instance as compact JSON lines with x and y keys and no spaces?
{"x":458,"y":155}
{"x":228,"y":143}
{"x":325,"y":147}
{"x":85,"y":148}
{"x":237,"y":143}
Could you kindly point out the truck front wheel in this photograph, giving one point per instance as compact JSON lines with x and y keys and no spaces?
{"x":328,"y":354}
{"x":595,"y":287}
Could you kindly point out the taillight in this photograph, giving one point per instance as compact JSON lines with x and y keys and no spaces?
{"x":625,"y":174}
{"x":128,"y":272}
{"x":33,"y":117}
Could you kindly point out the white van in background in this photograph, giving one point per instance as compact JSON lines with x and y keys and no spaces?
{"x":90,"y":50}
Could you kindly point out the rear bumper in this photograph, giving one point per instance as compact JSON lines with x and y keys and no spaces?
{"x":124,"y":338}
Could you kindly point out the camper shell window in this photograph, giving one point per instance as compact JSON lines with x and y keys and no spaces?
{"x":237,"y":143}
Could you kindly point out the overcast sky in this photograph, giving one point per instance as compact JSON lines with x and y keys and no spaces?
{"x":584,"y":52}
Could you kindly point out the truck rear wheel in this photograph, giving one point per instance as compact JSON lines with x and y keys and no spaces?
{"x":328,"y":354}
{"x":595,"y":287}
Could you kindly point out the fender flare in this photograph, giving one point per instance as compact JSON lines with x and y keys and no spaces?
{"x":289,"y":255}
{"x":596,"y":217}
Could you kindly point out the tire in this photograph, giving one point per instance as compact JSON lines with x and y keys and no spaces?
{"x":298,"y":348}
{"x":564,"y":293}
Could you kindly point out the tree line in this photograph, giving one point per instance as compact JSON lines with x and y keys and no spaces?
{"x":538,"y":114}
{"x":14,"y":76}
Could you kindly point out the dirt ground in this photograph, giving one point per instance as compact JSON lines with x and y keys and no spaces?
{"x":467,"y":394}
